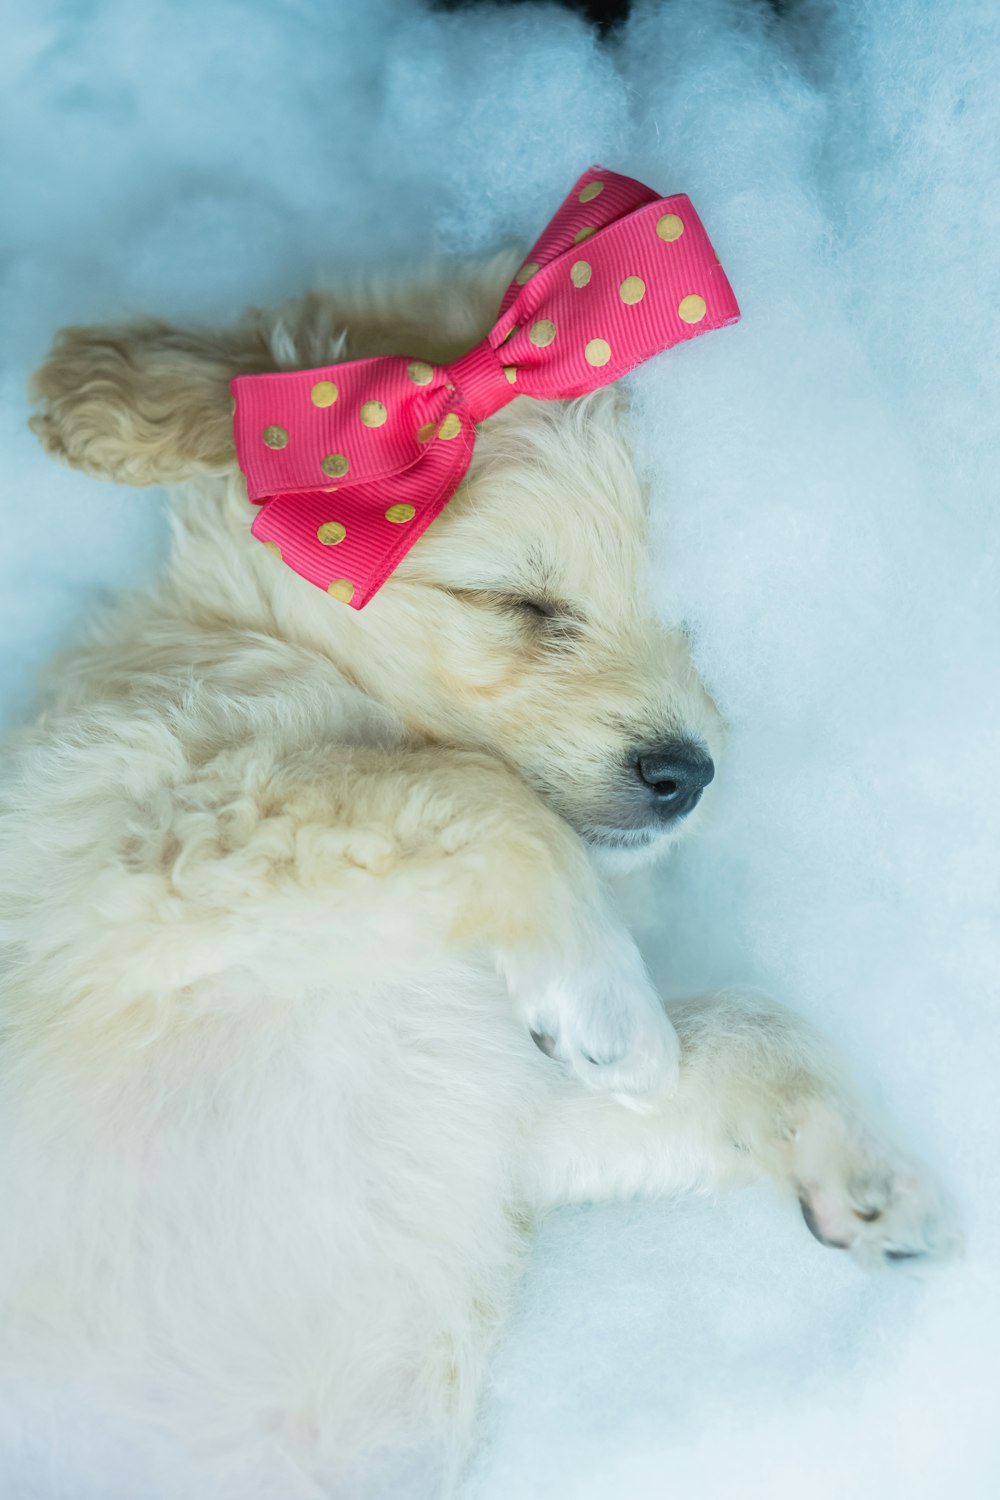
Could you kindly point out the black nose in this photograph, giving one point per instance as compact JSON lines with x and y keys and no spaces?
{"x":676,"y":773}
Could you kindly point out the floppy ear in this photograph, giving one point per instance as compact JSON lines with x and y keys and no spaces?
{"x":144,"y":403}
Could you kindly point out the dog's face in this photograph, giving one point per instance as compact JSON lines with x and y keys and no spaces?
{"x":520,"y":623}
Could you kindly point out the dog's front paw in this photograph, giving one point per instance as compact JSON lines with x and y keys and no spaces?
{"x":858,"y":1193}
{"x":599,"y":1014}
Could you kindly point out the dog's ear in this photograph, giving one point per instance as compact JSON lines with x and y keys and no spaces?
{"x":144,"y":403}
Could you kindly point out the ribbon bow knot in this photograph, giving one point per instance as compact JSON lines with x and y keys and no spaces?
{"x":352,"y":462}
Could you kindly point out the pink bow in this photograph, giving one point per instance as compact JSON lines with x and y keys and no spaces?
{"x":354,"y":461}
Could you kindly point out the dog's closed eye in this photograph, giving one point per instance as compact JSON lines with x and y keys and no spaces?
{"x":532,"y":609}
{"x":537,"y":608}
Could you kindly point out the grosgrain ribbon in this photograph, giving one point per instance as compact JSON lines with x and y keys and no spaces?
{"x":352,"y":462}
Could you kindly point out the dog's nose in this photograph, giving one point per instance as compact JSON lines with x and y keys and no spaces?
{"x":676,"y":773}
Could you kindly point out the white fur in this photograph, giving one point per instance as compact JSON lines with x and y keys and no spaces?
{"x":274,"y":1133}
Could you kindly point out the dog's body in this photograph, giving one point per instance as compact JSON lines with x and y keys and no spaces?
{"x":287,"y":887}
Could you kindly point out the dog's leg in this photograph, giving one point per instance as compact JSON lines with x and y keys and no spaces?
{"x":759,"y":1095}
{"x":358,"y":867}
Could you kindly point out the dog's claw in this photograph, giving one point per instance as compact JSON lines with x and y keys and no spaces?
{"x":544,"y":1042}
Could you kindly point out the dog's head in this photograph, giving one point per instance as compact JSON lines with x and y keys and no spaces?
{"x":521,"y":622}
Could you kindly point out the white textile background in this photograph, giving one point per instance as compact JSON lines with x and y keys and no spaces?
{"x":825,"y":480}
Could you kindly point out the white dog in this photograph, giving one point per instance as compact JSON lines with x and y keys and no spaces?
{"x":288,"y":888}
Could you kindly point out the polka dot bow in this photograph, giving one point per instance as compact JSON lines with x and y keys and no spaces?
{"x":354,"y":461}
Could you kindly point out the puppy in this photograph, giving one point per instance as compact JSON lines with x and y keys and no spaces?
{"x":288,"y":889}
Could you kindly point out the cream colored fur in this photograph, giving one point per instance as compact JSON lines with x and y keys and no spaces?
{"x":284,"y":889}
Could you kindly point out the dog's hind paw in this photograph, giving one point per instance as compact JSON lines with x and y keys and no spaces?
{"x":858,"y":1193}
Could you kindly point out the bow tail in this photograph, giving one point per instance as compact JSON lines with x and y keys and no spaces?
{"x":347,"y":539}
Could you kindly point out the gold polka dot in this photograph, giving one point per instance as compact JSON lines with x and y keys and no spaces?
{"x":580,"y":272}
{"x":334,"y":465}
{"x":342,"y":589}
{"x":509,"y":335}
{"x":511,"y":373}
{"x":373,"y":414}
{"x":598,"y":352}
{"x":692,"y":309}
{"x":420,"y":372}
{"x":542,"y":333}
{"x":584,"y":233}
{"x":526,"y":272}
{"x":450,"y":427}
{"x":590,"y":192}
{"x":323,"y":393}
{"x":330,"y":533}
{"x":669,"y":227}
{"x":632,"y":289}
{"x":273,"y":547}
{"x":400,"y":514}
{"x":425,"y":433}
{"x":275,"y":437}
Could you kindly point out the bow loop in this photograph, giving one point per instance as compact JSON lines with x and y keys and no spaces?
{"x":303,"y":429}
{"x":596,"y":200}
{"x":355,"y":460}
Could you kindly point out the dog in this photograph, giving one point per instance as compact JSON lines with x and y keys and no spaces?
{"x":316,"y":997}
